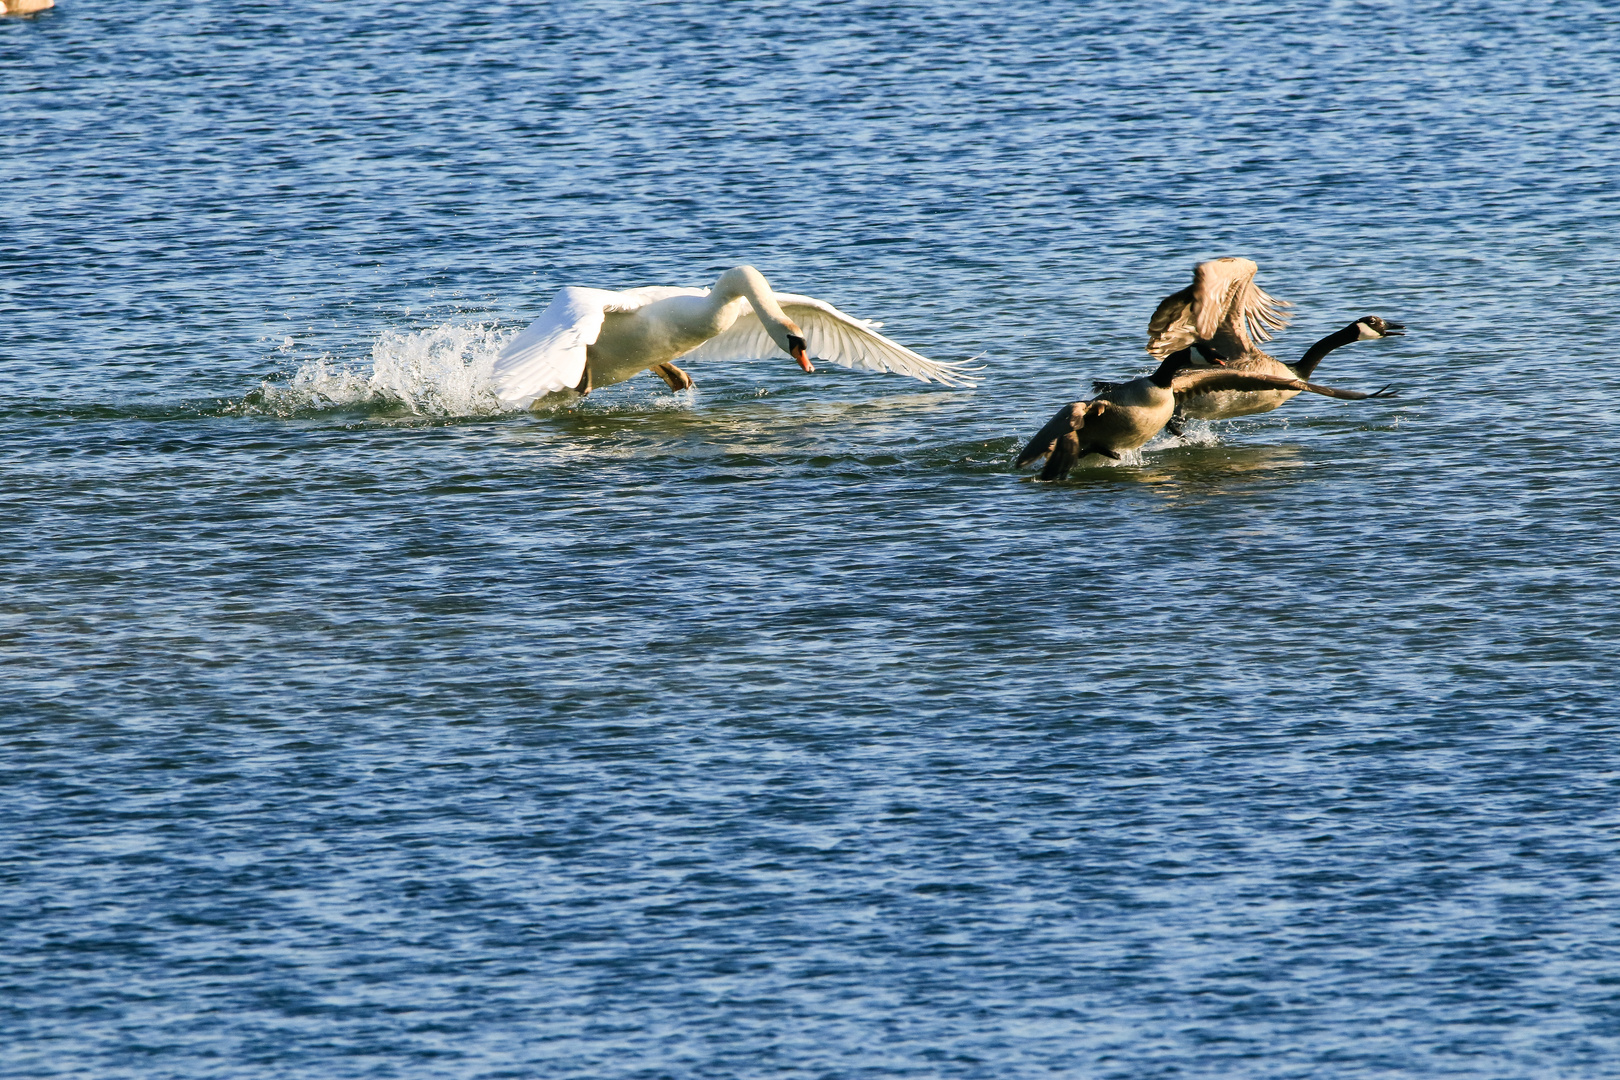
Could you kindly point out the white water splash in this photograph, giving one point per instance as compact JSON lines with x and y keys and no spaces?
{"x":443,"y":371}
{"x":1194,"y":433}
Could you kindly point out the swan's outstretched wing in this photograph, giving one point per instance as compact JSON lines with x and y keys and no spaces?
{"x":1213,"y":380}
{"x":832,"y":336}
{"x":549,"y":355}
{"x":1223,"y":305}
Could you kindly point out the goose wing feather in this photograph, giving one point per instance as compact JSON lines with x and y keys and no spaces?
{"x":1223,"y":305}
{"x":832,"y":336}
{"x":1213,"y":380}
{"x":1067,"y":421}
{"x":549,"y":354}
{"x":1059,"y":441}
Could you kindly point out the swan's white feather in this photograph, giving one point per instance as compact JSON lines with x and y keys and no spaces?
{"x":549,"y":355}
{"x":832,"y":336}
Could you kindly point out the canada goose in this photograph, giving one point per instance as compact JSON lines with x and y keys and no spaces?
{"x":593,"y":337}
{"x":1128,"y":414}
{"x":1225,"y":311}
{"x":1366,"y":328}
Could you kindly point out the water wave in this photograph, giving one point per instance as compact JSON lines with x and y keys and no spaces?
{"x":441,"y":371}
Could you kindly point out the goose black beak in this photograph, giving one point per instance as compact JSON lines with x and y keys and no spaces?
{"x":1394,"y":329}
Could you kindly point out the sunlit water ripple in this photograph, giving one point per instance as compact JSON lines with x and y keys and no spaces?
{"x":355,"y":728}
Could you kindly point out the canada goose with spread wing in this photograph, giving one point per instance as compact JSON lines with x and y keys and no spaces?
{"x":1128,"y":414}
{"x":1223,"y":311}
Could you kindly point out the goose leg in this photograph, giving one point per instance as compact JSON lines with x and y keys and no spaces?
{"x":1176,"y":424}
{"x":674,"y":376}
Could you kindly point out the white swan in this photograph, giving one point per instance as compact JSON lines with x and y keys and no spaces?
{"x":593,"y":337}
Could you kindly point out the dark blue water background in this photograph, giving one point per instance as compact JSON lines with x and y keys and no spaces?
{"x":354,"y":729}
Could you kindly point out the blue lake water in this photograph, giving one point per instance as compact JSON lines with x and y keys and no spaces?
{"x":351,"y":727}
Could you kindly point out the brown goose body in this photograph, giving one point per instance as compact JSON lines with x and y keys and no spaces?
{"x":1223,"y":310}
{"x":1225,"y":404}
{"x":1129,"y":414}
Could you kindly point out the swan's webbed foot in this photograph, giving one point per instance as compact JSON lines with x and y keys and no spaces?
{"x":583,"y":387}
{"x":674,"y":376}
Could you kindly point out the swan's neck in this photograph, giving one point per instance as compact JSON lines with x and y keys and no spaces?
{"x":744,"y":282}
{"x":1315,"y":353}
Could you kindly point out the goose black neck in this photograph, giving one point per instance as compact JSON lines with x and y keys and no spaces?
{"x":1315,"y":353}
{"x":1173,"y":363}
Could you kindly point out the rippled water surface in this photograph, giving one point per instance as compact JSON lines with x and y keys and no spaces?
{"x":354,"y":728}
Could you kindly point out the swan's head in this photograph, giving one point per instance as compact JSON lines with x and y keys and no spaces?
{"x":790,"y":339}
{"x":1371,"y":327}
{"x":799,"y":349}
